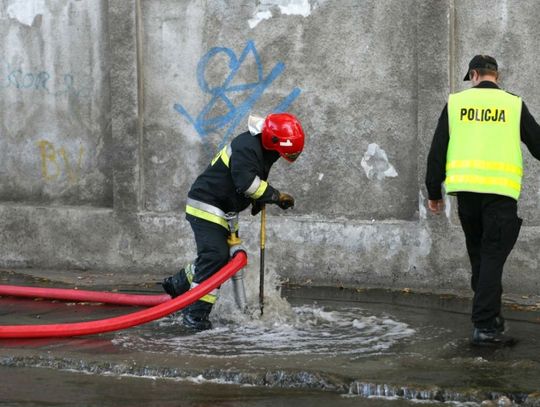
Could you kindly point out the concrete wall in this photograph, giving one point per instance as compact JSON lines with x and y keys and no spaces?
{"x":55,"y":103}
{"x":109,"y":110}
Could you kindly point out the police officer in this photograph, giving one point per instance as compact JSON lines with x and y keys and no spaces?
{"x":476,"y":152}
{"x":236,"y":178}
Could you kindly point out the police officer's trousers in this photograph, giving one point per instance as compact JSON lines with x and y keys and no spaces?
{"x":491,"y":227}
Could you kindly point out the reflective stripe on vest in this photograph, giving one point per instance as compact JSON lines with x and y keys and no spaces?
{"x":483,"y":184}
{"x":484,"y":152}
{"x":484,"y":165}
{"x":207,"y":212}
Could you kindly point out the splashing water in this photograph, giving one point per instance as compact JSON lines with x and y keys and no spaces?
{"x":282,"y":330}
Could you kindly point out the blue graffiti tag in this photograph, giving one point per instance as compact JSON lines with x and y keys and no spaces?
{"x":204,"y":123}
{"x":39,"y":81}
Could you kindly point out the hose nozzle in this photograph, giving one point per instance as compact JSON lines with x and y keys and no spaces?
{"x":232,"y":220}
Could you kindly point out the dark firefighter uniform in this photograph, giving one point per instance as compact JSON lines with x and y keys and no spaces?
{"x":235,"y":178}
{"x":476,"y":152}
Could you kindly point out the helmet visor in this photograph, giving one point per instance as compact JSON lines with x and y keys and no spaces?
{"x":291,"y":156}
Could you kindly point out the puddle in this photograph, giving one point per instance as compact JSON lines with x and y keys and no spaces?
{"x":310,"y":330}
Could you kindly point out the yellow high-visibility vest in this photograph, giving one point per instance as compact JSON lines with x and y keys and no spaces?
{"x":484,"y":151}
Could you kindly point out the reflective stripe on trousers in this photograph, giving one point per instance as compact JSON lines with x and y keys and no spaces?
{"x":207,"y":212}
{"x":211,"y":297}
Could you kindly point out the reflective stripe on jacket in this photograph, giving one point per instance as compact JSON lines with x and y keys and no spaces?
{"x":257,"y":187}
{"x":484,"y":152}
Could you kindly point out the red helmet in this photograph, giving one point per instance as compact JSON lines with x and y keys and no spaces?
{"x":283,"y":133}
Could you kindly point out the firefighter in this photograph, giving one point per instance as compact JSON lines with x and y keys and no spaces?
{"x":235,"y":178}
{"x":476,"y":152}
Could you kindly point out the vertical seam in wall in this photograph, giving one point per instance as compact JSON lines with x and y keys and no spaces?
{"x":452,"y":45}
{"x":140,"y":103}
{"x":417,"y":107}
{"x":452,"y":74}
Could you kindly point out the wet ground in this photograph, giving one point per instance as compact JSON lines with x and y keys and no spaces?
{"x":314,"y":346}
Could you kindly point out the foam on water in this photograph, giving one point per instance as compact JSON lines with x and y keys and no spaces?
{"x":282,"y":330}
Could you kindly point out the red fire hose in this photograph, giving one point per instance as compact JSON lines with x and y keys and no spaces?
{"x":238,"y":261}
{"x":83,"y":295}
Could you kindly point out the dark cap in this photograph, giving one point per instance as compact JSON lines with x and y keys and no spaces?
{"x":481,"y":62}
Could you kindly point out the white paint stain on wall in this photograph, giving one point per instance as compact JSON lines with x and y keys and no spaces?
{"x":258,"y":17}
{"x":422,"y":211}
{"x":25,"y":11}
{"x":295,"y":7}
{"x":421,"y":248}
{"x":286,"y":7}
{"x":375,"y":164}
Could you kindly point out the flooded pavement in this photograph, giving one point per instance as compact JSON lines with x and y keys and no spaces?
{"x":46,"y":387}
{"x":314,"y":346}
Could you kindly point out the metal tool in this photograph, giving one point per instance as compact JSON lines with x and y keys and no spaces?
{"x":261,"y":268}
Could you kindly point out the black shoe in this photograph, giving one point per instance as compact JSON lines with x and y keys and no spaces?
{"x":491,"y":337}
{"x":197,"y":323}
{"x":196,"y":316}
{"x":176,"y":285}
{"x":498,"y":324}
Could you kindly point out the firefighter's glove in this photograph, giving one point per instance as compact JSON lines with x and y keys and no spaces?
{"x":256,"y":207}
{"x":285,"y":201}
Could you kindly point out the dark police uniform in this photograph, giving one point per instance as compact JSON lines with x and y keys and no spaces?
{"x":489,"y":220}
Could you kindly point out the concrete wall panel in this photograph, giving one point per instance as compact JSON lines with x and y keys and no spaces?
{"x":207,"y":65}
{"x":55,"y":133}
